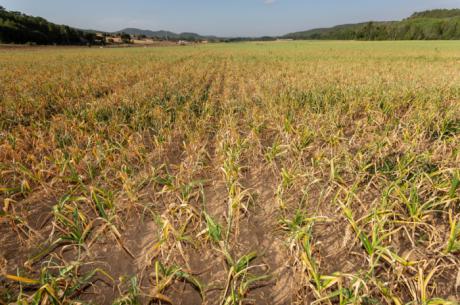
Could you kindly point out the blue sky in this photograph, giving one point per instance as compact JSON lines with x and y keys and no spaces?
{"x":220,"y":17}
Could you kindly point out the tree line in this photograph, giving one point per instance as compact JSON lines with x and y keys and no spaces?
{"x":16,"y":27}
{"x":427,"y":25}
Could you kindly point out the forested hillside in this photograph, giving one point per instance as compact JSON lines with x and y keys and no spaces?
{"x":427,"y":25}
{"x":16,"y":27}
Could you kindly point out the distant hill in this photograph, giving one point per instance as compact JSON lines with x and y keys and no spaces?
{"x":148,"y":33}
{"x":16,"y":27}
{"x":166,"y":35}
{"x":428,"y":25}
{"x":343,"y":31}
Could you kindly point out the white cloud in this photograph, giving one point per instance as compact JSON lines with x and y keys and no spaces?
{"x":269,"y":1}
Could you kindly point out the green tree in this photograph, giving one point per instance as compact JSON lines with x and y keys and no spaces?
{"x":125,"y":38}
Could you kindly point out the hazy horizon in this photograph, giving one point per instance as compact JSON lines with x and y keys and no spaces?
{"x":219,"y":17}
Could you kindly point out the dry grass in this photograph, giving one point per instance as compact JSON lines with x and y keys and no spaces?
{"x":256,"y":173}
